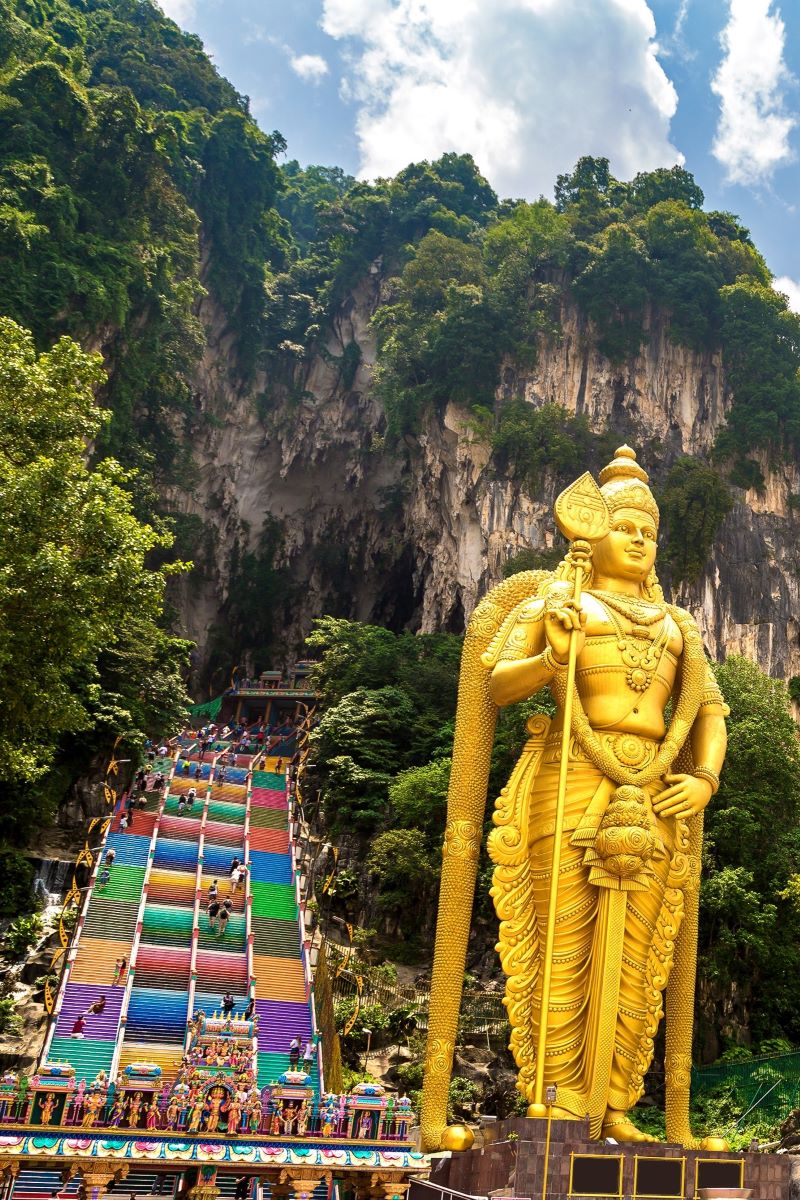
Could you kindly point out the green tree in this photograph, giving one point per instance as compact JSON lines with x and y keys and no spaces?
{"x":693,"y":501}
{"x":750,"y":924}
{"x":418,"y":797}
{"x":72,"y":553}
{"x":403,"y":866}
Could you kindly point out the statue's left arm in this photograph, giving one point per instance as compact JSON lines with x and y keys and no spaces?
{"x":688,"y":794}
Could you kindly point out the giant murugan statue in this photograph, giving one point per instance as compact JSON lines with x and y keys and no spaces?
{"x":598,"y":833}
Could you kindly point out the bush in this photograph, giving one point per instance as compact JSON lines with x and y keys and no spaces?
{"x":10,"y":1020}
{"x":16,"y":871}
{"x":21,"y":934}
{"x":461,"y":1097}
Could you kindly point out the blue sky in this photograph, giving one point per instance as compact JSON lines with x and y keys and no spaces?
{"x":527,"y":86}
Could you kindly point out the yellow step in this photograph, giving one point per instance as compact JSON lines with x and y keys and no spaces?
{"x":279,"y":978}
{"x":94,"y":962}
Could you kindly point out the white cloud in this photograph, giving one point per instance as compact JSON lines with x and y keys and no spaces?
{"x":753,"y":130}
{"x":181,"y":11}
{"x":790,"y":288}
{"x":525,"y":86}
{"x":310,"y":67}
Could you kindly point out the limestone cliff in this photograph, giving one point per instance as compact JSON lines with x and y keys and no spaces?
{"x":414,"y":536}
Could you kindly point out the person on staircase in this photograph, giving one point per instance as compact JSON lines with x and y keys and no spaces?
{"x":294,"y":1052}
{"x":228,"y":1004}
{"x":237,"y":874}
{"x":213,"y":913}
{"x":309,"y":1054}
{"x":103,"y":879}
{"x":224,"y":917}
{"x":191,"y":796}
{"x":213,"y":891}
{"x":120,"y":967}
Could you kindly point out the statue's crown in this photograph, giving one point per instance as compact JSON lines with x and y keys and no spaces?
{"x":624,"y":484}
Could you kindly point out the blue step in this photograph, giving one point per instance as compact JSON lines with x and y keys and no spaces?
{"x":171,"y":852}
{"x":156,"y":1015}
{"x":131,"y":850}
{"x":217,"y":859}
{"x":270,"y":868}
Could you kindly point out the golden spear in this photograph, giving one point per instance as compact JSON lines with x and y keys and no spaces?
{"x":582,"y":516}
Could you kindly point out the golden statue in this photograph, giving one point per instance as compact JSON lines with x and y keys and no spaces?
{"x":598,"y":832}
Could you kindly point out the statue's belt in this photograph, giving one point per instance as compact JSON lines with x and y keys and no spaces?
{"x":632,"y":751}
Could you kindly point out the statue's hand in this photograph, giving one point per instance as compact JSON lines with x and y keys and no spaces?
{"x":685,"y":797}
{"x":559,"y":624}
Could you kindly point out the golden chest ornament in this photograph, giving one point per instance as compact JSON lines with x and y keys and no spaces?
{"x":642,"y":647}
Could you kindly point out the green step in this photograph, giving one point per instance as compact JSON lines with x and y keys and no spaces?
{"x":234,"y":938}
{"x":167,"y":925}
{"x":111,"y":918}
{"x":172,"y":802}
{"x":87,"y":1056}
{"x":272,"y":1065}
{"x":268,"y":818}
{"x":232,"y":814}
{"x":125,"y":883}
{"x":274,"y":900}
{"x":277,"y":938}
{"x":268,"y":779}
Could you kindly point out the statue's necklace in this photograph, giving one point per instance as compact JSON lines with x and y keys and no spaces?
{"x":641,"y":649}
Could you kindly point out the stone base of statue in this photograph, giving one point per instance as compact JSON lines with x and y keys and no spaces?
{"x":513,"y":1163}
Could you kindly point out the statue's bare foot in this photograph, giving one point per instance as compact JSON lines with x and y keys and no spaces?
{"x":618,"y":1126}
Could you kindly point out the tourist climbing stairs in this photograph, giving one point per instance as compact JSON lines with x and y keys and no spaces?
{"x":152,"y":913}
{"x":107,"y":932}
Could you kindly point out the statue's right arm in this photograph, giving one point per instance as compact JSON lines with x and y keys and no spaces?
{"x":526,"y":662}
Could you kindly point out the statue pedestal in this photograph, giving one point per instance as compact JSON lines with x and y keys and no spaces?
{"x":578,"y":1167}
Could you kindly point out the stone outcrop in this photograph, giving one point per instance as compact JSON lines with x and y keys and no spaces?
{"x":413,"y":536}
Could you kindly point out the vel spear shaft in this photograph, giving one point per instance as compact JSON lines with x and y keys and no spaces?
{"x":583,"y":517}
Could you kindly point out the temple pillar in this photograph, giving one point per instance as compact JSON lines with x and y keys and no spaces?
{"x":388,"y":1185}
{"x":302,"y":1183}
{"x":94,"y":1179}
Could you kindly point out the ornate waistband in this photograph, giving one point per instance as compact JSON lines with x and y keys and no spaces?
{"x":629,"y":749}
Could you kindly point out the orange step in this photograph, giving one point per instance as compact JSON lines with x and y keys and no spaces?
{"x":279,"y":978}
{"x":94,"y":962}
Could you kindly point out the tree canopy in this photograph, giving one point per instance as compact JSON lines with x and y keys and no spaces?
{"x":80,"y":644}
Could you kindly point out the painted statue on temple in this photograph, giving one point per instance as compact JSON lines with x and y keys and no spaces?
{"x":598,"y":833}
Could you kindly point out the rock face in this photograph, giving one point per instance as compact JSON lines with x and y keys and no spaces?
{"x":413,"y":537}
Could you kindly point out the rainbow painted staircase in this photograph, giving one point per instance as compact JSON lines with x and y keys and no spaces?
{"x":152,"y":912}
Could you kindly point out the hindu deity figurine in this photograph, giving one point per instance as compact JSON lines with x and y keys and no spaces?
{"x":196,"y":1115}
{"x":598,"y":832}
{"x":215,"y":1099}
{"x":92,"y":1109}
{"x":117,"y":1110}
{"x":234,"y":1114}
{"x":302,"y":1119}
{"x":46,"y":1108}
{"x":151,"y":1120}
{"x":254,"y":1115}
{"x":134,"y":1109}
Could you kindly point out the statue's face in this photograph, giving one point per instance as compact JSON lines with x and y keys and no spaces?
{"x":628,"y":551}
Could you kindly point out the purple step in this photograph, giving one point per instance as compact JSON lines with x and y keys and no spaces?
{"x":77,"y":998}
{"x":279,"y":1021}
